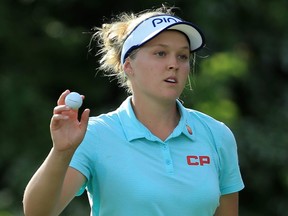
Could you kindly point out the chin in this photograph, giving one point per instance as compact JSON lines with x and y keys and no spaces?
{"x":170,"y":97}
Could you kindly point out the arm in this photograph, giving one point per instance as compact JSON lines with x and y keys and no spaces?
{"x":228,"y":205}
{"x":48,"y":191}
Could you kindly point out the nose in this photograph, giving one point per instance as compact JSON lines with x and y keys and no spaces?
{"x":173,"y":63}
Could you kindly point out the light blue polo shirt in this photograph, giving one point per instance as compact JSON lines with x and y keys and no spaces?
{"x":131,"y":172}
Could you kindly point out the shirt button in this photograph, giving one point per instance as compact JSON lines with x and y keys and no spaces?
{"x":168,"y":162}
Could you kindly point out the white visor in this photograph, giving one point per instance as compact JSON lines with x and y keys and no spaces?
{"x":153,"y":26}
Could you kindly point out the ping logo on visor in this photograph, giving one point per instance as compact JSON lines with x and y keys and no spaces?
{"x":151,"y":27}
{"x":159,"y":20}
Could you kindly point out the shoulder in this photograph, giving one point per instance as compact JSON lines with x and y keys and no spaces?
{"x":103,"y":120}
{"x":221,"y":134}
{"x":223,"y":138}
{"x":100,"y":129}
{"x":104,"y":127}
{"x":112,"y":118}
{"x":207,"y":121}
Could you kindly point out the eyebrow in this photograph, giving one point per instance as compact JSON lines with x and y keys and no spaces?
{"x":165,"y":46}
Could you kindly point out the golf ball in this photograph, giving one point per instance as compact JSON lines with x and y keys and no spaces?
{"x":73,"y":100}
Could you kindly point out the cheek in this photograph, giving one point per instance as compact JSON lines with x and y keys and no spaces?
{"x":145,"y":70}
{"x":142,"y":74}
{"x":186,"y":70}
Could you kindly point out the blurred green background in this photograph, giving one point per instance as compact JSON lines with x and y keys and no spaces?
{"x":240,"y":78}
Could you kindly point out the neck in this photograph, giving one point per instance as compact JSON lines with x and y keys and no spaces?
{"x":160,"y":118}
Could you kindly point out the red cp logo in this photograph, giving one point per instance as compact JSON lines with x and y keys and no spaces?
{"x":194,"y":160}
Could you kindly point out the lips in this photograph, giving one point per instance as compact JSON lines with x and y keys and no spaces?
{"x":171,"y":80}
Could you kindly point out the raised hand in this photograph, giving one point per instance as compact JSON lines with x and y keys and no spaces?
{"x":67,"y":131}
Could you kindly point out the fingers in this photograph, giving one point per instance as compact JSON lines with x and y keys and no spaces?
{"x":60,"y":109}
{"x":84,"y":118}
{"x":59,"y":114}
{"x":58,"y":117}
{"x":61,"y":100}
{"x":63,"y":112}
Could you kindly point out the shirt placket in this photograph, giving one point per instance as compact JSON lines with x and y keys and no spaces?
{"x":168,"y":163}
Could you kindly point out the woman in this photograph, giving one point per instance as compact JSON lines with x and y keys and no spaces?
{"x":151,"y":156}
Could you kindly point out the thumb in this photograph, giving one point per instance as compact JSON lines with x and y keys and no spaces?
{"x":84,"y":119}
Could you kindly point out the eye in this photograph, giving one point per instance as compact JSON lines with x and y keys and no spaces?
{"x":160,"y":53}
{"x":183,"y":57}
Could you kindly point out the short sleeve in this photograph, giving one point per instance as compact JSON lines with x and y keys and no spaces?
{"x":230,"y":176}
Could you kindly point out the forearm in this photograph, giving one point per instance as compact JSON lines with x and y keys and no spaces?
{"x":44,"y":189}
{"x":228,"y":205}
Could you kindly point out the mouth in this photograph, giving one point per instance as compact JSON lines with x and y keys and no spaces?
{"x":171,"y":80}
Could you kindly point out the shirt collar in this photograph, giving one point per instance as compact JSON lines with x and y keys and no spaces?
{"x":134,"y":129}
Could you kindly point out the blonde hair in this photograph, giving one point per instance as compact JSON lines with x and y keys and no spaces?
{"x":111,"y":37}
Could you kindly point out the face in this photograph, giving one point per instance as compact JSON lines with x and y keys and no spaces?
{"x":160,"y":68}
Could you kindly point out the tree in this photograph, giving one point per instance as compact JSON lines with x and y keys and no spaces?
{"x":240,"y":78}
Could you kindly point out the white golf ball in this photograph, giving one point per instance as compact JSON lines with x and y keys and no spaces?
{"x":73,"y":100}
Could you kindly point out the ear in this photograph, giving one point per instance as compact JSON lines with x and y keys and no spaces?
{"x":128,"y":67}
